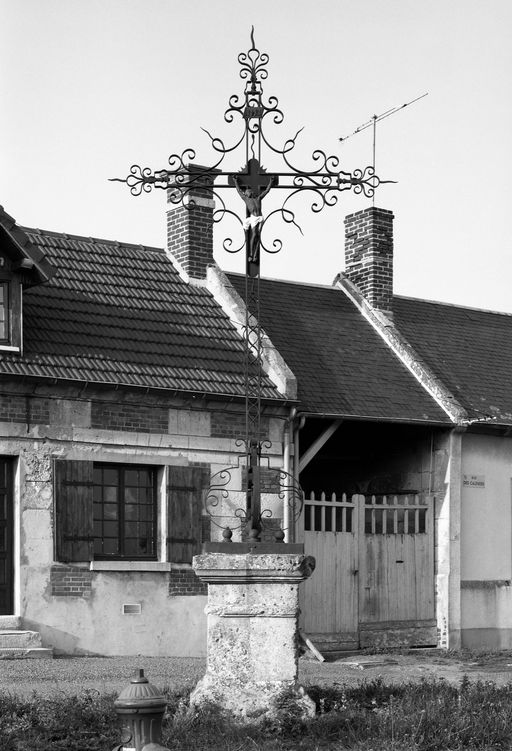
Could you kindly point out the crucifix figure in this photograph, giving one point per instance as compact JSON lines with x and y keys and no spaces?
{"x":252,"y":186}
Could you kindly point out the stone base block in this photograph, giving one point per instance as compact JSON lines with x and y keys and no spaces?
{"x":253,"y":608}
{"x":254,"y":702}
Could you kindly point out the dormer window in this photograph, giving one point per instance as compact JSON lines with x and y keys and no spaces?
{"x":4,"y":313}
{"x":10,"y":313}
{"x":22,"y":265}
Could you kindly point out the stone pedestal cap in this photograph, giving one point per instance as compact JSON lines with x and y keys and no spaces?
{"x":229,"y":568}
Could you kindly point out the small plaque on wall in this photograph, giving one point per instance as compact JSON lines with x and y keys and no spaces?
{"x":473,"y":481}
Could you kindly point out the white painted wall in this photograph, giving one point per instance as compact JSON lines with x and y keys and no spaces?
{"x":486,"y":512}
{"x":486,"y":542}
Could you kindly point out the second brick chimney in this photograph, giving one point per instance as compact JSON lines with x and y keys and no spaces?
{"x":369,"y":255}
{"x":190,"y":230}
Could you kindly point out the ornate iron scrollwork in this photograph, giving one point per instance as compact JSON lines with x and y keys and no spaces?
{"x":325,"y":181}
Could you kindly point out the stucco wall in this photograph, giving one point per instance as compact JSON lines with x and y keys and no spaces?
{"x":88,"y":618}
{"x":486,"y":541}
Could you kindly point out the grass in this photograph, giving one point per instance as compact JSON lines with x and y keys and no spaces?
{"x":425,"y":716}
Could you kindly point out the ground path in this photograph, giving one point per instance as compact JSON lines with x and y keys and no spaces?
{"x":112,"y":674}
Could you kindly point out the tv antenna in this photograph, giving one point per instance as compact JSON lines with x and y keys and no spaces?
{"x":373,"y":123}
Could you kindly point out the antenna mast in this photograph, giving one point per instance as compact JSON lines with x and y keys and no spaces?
{"x":373,"y":123}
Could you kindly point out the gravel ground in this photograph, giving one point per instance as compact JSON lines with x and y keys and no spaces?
{"x":72,"y":675}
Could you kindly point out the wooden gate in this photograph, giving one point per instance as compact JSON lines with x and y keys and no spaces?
{"x":374,"y":580}
{"x":6,"y":538}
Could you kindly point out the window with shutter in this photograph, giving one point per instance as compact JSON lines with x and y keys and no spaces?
{"x":105,"y":511}
{"x":185,"y":491}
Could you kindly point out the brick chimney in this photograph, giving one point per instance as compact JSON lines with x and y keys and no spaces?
{"x":190,"y":230}
{"x":369,"y":255}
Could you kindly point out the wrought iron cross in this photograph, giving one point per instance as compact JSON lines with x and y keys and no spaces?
{"x":253,"y":183}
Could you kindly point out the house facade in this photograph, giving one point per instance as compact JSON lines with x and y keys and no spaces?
{"x":122,"y":396}
{"x":122,"y":392}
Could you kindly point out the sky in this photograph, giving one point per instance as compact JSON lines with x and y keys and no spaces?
{"x":90,"y":87}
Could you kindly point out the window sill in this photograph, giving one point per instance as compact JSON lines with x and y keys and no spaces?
{"x":129,"y":566}
{"x":8,"y":348}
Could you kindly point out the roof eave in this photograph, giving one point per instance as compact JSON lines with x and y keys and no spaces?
{"x":281,"y":401}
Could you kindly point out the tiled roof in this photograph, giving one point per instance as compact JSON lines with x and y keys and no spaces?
{"x":115,"y":313}
{"x":469,"y":350}
{"x":342,"y":365}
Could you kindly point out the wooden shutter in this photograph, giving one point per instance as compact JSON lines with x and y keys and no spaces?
{"x":74,"y":510}
{"x":185,"y":492}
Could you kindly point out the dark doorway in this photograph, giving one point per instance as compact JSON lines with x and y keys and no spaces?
{"x":6,"y":537}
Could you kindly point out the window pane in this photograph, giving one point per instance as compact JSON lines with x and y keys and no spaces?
{"x":110,"y":494}
{"x":124,"y":511}
{"x":110,"y":529}
{"x":131,"y":512}
{"x":131,"y":477}
{"x":137,"y":547}
{"x":110,"y":547}
{"x":130,"y":495}
{"x":4,"y":311}
{"x":110,"y":511}
{"x":110,"y":477}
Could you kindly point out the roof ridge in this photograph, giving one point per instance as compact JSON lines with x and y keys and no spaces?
{"x":295,"y":282}
{"x":89,"y":238}
{"x":453,"y":305}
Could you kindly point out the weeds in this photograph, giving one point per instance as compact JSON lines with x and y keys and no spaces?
{"x":425,"y":716}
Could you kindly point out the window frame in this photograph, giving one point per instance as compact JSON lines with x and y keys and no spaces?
{"x":121,"y":555}
{"x":5,"y":304}
{"x":12,"y":342}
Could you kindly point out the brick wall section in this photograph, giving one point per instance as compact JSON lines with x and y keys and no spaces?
{"x":232,"y":425}
{"x":70,"y":581}
{"x":369,"y":255}
{"x":270,"y":480}
{"x":190,"y":230}
{"x":129,"y":417}
{"x":190,"y":238}
{"x":184,"y":582}
{"x":26,"y":409}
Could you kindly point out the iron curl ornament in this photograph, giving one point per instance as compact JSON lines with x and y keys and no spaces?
{"x":254,"y":115}
{"x":325,"y":179}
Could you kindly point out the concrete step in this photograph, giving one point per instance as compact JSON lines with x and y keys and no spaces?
{"x":19,"y":639}
{"x":10,"y":622}
{"x":20,"y":653}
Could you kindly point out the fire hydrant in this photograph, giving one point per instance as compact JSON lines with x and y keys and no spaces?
{"x":140,"y":708}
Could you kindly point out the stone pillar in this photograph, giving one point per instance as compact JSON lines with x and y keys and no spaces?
{"x":253,"y":608}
